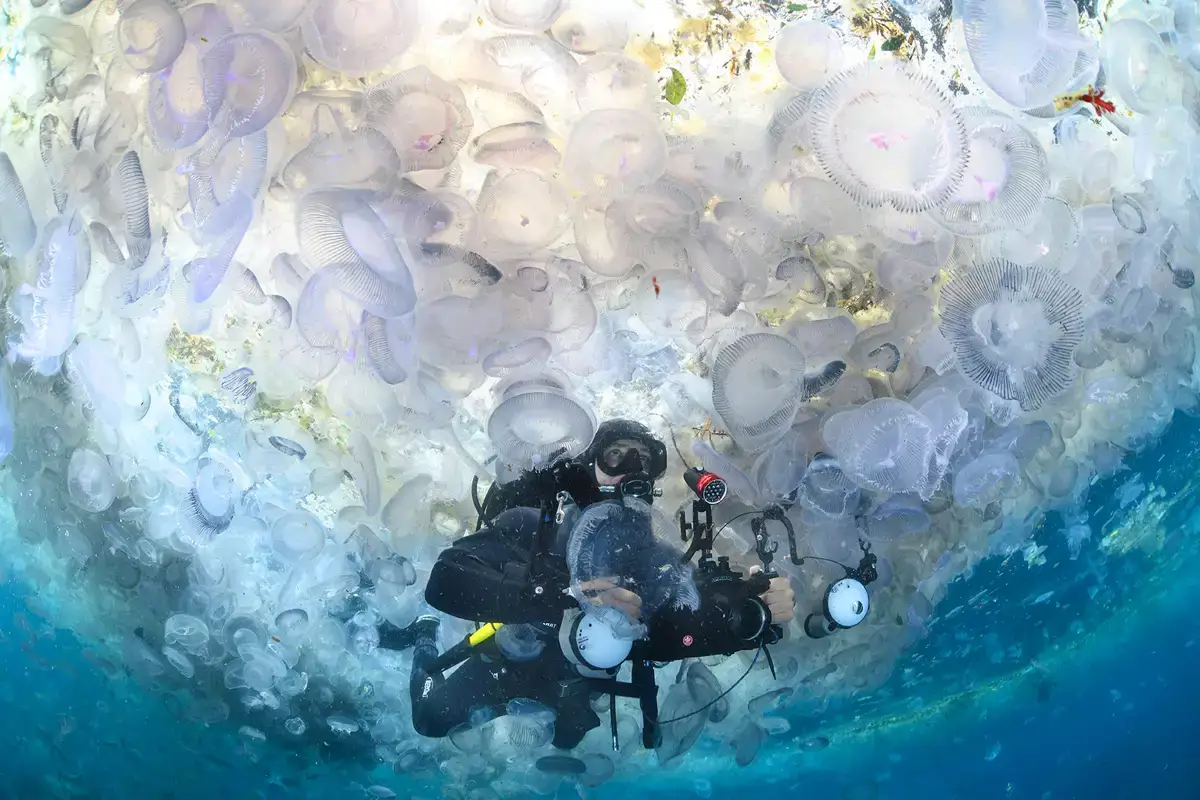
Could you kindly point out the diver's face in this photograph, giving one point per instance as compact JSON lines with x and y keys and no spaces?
{"x":617,"y":454}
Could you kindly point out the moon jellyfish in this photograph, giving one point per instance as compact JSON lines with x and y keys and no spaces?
{"x":1006,"y":176}
{"x":525,"y":15}
{"x":591,"y":28}
{"x":151,"y":35}
{"x":530,"y":724}
{"x":342,"y":236}
{"x":612,"y":151}
{"x":758,"y":381}
{"x":519,"y":145}
{"x":888,"y":135}
{"x":1014,"y":329}
{"x":359,"y":36}
{"x":18,"y":232}
{"x":987,"y":479}
{"x":455,"y":330}
{"x":1026,"y":51}
{"x":424,"y":117}
{"x":46,"y":309}
{"x":297,"y":536}
{"x":825,"y":489}
{"x":177,"y":115}
{"x":179,"y":661}
{"x":807,"y":53}
{"x":519,"y":643}
{"x":897,"y":517}
{"x":884,"y":445}
{"x":270,"y":15}
{"x":614,"y":80}
{"x":525,"y":353}
{"x":91,"y":484}
{"x":249,"y":79}
{"x":1138,"y":67}
{"x":803,"y":278}
{"x":137,"y":208}
{"x":521,"y":211}
{"x":219,"y":174}
{"x":529,"y":427}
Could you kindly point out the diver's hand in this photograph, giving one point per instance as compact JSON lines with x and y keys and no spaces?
{"x":605,"y":592}
{"x":780,"y":599}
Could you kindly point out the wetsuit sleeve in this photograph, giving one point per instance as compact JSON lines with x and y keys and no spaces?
{"x":485,"y":576}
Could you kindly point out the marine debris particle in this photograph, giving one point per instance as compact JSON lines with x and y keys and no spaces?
{"x":196,"y":352}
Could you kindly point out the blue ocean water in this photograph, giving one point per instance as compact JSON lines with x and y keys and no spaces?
{"x":1039,"y":677}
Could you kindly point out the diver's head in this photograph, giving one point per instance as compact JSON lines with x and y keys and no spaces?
{"x":627,"y":455}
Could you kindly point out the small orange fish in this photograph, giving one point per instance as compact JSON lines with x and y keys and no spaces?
{"x":654,"y":283}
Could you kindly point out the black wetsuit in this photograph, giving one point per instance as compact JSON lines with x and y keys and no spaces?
{"x":484,"y":577}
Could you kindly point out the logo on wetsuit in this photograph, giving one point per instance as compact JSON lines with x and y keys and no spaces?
{"x":687,"y":640}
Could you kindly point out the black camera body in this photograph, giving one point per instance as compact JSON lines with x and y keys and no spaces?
{"x":731,"y":617}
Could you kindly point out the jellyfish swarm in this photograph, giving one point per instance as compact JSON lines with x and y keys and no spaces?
{"x":1014,"y":329}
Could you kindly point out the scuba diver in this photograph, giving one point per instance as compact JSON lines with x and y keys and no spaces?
{"x":487,"y":577}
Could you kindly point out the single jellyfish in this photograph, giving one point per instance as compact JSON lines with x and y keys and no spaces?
{"x":889,"y":136}
{"x":1014,"y":329}
{"x":91,"y":484}
{"x":425,"y":118}
{"x":826,"y":490}
{"x":359,"y":36}
{"x":297,"y":536}
{"x":758,"y":381}
{"x":808,"y":53}
{"x":151,"y":35}
{"x":612,"y":151}
{"x":530,"y":724}
{"x":986,"y":479}
{"x":521,"y":212}
{"x":884,"y":445}
{"x":18,"y":232}
{"x":528,"y":427}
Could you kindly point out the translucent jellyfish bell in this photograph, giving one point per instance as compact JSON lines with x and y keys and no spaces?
{"x":342,"y":236}
{"x":91,"y":484}
{"x":888,"y":135}
{"x":520,"y":212}
{"x":825,"y":489}
{"x":298,"y":536}
{"x":18,"y":232}
{"x":897,"y":517}
{"x":986,"y":479}
{"x":424,"y":117}
{"x":758,"y":381}
{"x":1014,"y":329}
{"x":588,"y":28}
{"x":1046,"y":242}
{"x":614,"y":150}
{"x":523,"y":15}
{"x":359,"y":36}
{"x":1138,"y":67}
{"x":529,"y":428}
{"x":249,"y":79}
{"x":614,"y":80}
{"x":176,"y":112}
{"x":1026,"y":50}
{"x":151,"y":35}
{"x":884,"y":445}
{"x":1006,"y":176}
{"x":807,"y":53}
{"x":270,"y":15}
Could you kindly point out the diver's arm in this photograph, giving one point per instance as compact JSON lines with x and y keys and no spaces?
{"x":485,"y":577}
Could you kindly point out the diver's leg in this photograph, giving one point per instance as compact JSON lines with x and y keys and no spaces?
{"x":440,"y":703}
